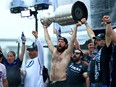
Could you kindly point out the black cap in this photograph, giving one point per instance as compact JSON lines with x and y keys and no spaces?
{"x":1,"y":54}
{"x":100,"y":36}
{"x":88,"y":41}
{"x":32,"y":47}
{"x":64,"y":39}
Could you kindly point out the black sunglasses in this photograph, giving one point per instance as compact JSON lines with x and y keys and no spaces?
{"x":77,"y":53}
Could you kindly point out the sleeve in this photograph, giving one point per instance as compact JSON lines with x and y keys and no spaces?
{"x":84,"y":68}
{"x":108,"y":51}
{"x":40,"y":52}
{"x":19,"y":62}
{"x":4,"y":72}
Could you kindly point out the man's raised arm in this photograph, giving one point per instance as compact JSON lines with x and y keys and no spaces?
{"x":71,"y":44}
{"x":89,"y":29}
{"x":40,"y":48}
{"x":48,"y":39}
{"x":106,"y":21}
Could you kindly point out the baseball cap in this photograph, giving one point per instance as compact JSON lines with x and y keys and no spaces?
{"x":100,"y":36}
{"x":1,"y":54}
{"x":32,"y":47}
{"x":64,"y":39}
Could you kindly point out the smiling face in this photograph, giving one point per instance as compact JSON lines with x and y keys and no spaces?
{"x":91,"y":47}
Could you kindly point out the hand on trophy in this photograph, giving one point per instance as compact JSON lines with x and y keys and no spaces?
{"x":79,"y":23}
{"x":83,"y":20}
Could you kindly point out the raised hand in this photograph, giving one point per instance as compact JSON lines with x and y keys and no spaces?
{"x":23,"y":38}
{"x":83,"y":20}
{"x":106,"y":19}
{"x":35,"y":34}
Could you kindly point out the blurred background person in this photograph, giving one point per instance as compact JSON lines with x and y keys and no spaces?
{"x":3,"y":73}
{"x":13,"y":65}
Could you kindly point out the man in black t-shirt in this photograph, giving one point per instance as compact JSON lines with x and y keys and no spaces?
{"x":101,"y":74}
{"x":77,"y":71}
{"x":98,"y":69}
{"x":111,"y":38}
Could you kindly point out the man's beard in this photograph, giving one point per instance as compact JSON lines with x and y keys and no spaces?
{"x":99,"y":47}
{"x":75,"y":60}
{"x":61,"y":49}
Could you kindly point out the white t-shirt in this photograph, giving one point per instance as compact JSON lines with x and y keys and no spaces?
{"x":34,"y":77}
{"x":2,"y":74}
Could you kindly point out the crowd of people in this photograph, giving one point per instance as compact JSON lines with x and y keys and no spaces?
{"x":70,"y":66}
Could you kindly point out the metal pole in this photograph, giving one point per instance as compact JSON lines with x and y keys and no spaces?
{"x":18,"y":49}
{"x":36,"y":20}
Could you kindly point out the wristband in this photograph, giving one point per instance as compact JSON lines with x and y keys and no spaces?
{"x":86,"y":23}
{"x":108,"y":22}
{"x":23,"y":42}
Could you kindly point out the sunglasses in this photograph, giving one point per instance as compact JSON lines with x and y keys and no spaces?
{"x":77,"y":53}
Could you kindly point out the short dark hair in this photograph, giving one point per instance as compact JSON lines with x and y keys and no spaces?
{"x":88,"y":41}
{"x":14,"y":54}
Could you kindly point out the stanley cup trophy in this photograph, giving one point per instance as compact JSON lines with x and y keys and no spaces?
{"x":66,"y":14}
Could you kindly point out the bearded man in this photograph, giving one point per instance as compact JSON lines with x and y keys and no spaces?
{"x":77,"y":71}
{"x":60,"y":57}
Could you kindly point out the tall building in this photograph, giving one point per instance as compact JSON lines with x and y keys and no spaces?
{"x":99,"y":8}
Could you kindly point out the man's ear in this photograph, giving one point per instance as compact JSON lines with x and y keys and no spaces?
{"x":66,"y":46}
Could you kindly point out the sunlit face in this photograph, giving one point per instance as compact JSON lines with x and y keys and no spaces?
{"x":91,"y":47}
{"x":10,"y":57}
{"x":61,"y":46}
{"x":32,"y":53}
